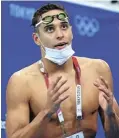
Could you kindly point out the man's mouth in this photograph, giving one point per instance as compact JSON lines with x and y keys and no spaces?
{"x":60,"y":45}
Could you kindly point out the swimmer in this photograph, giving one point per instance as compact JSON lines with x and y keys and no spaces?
{"x":61,"y":95}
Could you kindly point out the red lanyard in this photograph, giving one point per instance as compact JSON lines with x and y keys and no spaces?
{"x":76,"y":67}
{"x":78,"y":93}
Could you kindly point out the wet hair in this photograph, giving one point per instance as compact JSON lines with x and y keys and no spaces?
{"x":44,"y":9}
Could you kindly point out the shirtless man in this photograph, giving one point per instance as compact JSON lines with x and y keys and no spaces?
{"x":49,"y":91}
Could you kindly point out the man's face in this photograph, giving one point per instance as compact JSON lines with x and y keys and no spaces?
{"x":56,"y":34}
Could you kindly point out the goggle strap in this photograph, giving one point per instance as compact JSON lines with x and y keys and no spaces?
{"x":38,"y":23}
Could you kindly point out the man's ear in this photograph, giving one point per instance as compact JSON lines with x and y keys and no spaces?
{"x":36,"y":38}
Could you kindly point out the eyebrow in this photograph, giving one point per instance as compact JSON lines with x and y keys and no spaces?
{"x":48,"y":25}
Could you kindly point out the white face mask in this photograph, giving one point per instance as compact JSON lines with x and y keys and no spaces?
{"x":59,"y":56}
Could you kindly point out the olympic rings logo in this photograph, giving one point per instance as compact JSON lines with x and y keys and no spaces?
{"x":86,"y":26}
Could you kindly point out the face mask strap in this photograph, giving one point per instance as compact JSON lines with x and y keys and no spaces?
{"x":42,"y":46}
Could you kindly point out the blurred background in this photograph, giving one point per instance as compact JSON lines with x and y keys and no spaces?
{"x":96,"y":35}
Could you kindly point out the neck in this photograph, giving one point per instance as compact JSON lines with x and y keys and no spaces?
{"x":51,"y":67}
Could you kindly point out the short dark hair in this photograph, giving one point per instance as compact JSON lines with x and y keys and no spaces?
{"x":44,"y":9}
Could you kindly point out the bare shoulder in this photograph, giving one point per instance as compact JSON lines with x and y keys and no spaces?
{"x":98,"y":64}
{"x":18,"y":84}
{"x":24,"y":74}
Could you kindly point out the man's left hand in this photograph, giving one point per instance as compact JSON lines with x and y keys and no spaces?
{"x":105,"y":94}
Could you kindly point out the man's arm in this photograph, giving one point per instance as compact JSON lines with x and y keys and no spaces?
{"x":17,"y":122}
{"x":18,"y":97}
{"x":116,"y":107}
{"x":109,"y":109}
{"x":110,"y":124}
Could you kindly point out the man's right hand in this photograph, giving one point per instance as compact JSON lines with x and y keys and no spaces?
{"x":56,"y":94}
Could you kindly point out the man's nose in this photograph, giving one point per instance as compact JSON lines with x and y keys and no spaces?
{"x":59,"y":34}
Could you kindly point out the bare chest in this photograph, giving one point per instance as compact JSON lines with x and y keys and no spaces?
{"x":89,"y":95}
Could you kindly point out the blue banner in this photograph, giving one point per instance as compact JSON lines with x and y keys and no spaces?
{"x":96,"y":35}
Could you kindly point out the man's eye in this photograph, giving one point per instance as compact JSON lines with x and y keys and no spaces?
{"x":64,"y":26}
{"x":49,"y":29}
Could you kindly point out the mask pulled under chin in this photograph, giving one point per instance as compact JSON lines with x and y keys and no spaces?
{"x":59,"y":56}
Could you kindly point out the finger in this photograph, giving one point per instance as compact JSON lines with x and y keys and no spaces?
{"x":56,"y":95}
{"x":96,"y":84}
{"x":53,"y":84}
{"x":106,"y":97}
{"x":104,"y":81}
{"x":61,"y":99}
{"x":105,"y":90}
{"x":99,"y":83}
{"x":59,"y":85}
